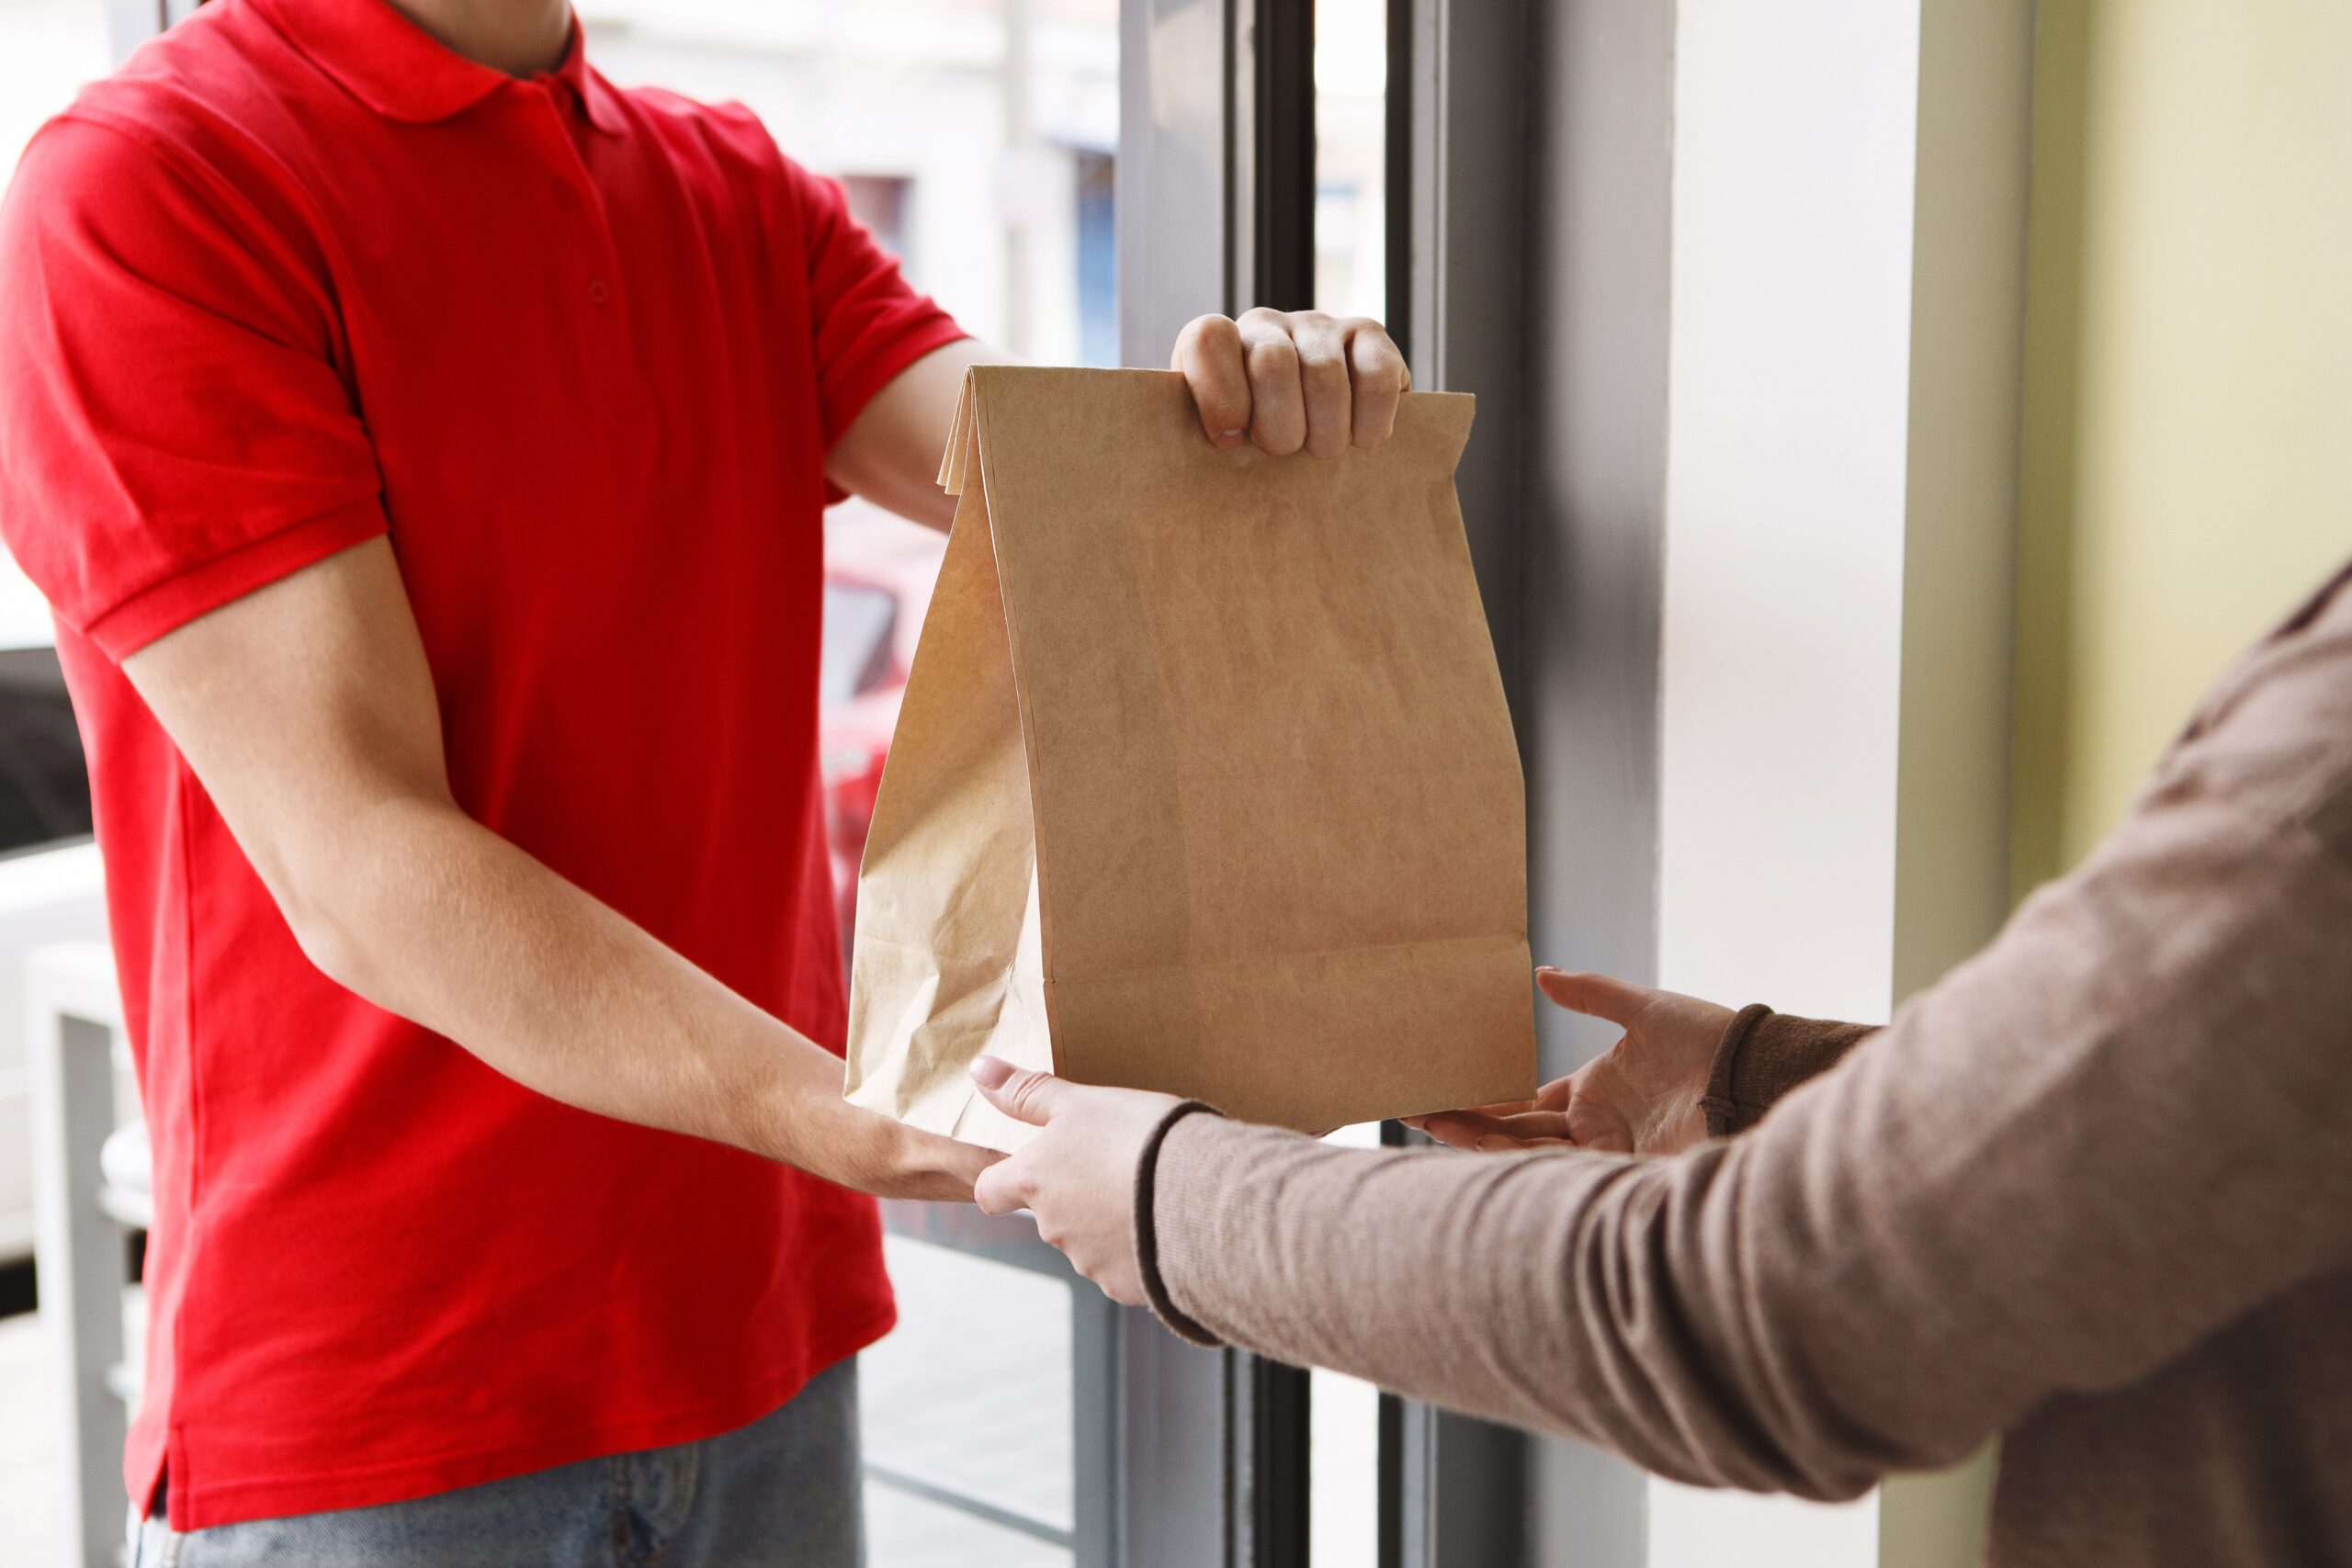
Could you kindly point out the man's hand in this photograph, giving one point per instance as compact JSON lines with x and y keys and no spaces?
{"x":1282,"y":379}
{"x":1287,"y":379}
{"x":867,"y":1152}
{"x":1641,"y":1096}
{"x":1077,"y":1176}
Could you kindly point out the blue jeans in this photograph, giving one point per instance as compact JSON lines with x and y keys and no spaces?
{"x":781,"y":1493}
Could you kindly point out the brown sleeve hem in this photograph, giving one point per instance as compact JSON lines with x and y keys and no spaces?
{"x":1762,"y":1055}
{"x":1155,"y":1289}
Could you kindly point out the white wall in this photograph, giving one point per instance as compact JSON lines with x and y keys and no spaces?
{"x":1786,"y":437}
{"x":1782,"y":620}
{"x":1842,"y":409}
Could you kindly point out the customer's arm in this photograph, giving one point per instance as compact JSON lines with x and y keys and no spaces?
{"x":309,"y":715}
{"x":2122,"y":1126}
{"x":1762,"y":1056}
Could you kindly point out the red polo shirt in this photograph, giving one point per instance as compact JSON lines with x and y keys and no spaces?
{"x":298,"y":276}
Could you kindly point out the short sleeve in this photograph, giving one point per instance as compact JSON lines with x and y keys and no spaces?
{"x":173,"y":431}
{"x":866,"y":321}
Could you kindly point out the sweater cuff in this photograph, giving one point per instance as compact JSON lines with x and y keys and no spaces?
{"x":1155,"y":1289}
{"x":1762,"y":1055}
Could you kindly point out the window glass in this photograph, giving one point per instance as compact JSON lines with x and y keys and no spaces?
{"x":1351,"y":157}
{"x":1351,"y":279}
{"x":48,"y":49}
{"x":856,"y":658}
{"x":44,"y":790}
{"x":974,"y":136}
{"x":975,"y":139}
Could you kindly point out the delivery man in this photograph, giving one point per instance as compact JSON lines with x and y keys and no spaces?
{"x":423,"y":443}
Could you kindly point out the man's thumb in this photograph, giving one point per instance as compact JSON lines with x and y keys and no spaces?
{"x":1023,"y":1095}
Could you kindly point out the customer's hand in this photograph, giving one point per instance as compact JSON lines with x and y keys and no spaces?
{"x":1077,"y":1177}
{"x":1287,"y":379}
{"x":1641,"y":1096}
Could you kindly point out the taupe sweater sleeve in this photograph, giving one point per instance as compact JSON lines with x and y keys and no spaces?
{"x":2119,"y":1128}
{"x":1762,"y":1055}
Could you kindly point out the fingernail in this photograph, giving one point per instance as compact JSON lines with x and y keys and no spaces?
{"x":989,"y":1072}
{"x":1228,"y":439}
{"x":1545,"y":970}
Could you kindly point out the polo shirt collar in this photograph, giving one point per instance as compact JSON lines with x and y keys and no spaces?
{"x":400,"y":72}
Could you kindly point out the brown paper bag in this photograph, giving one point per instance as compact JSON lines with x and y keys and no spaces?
{"x":1204,"y":781}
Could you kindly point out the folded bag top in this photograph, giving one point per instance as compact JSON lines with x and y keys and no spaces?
{"x":1203,"y":780}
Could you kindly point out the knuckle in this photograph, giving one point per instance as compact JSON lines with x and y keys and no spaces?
{"x":1323,"y":359}
{"x":1325,"y":370}
{"x":1277,"y":353}
{"x":1207,"y":336}
{"x":1319,"y":334}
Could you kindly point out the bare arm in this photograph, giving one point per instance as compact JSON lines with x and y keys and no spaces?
{"x":308,"y":712}
{"x":890,"y":452}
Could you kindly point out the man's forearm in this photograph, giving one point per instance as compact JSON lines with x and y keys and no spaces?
{"x":430,"y":915}
{"x":309,"y":713}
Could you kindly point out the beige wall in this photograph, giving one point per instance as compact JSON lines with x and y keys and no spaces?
{"x":2188,"y":461}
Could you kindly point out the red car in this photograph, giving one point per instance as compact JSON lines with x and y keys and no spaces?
{"x":878,"y":573}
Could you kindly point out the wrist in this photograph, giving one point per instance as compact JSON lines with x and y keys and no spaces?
{"x":793,"y":1118}
{"x":1147,"y":1228}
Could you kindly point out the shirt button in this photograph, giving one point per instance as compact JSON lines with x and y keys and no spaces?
{"x":597,"y":293}
{"x":567,"y":196}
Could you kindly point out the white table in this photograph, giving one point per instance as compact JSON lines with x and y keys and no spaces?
{"x":74,"y":1020}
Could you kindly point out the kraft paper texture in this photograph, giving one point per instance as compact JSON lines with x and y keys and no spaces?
{"x":1204,"y":781}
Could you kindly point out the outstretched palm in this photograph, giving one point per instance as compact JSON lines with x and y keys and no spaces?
{"x":1641,"y":1096}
